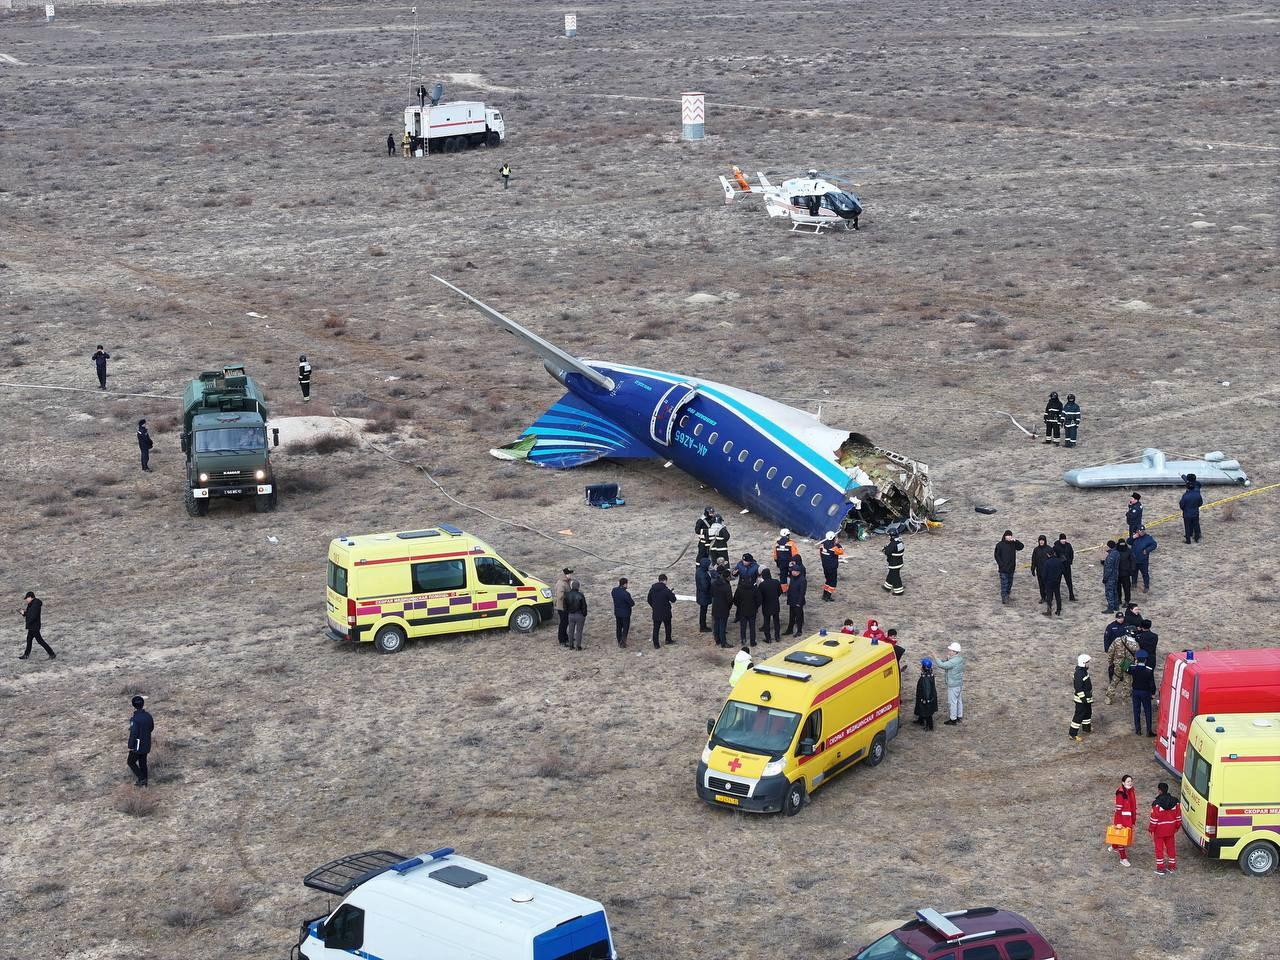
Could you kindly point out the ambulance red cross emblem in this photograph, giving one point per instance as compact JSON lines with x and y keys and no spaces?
{"x":734,"y":764}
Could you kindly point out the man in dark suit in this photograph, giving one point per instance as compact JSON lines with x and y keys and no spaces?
{"x":660,"y":599}
{"x":31,"y":608}
{"x":140,"y":727}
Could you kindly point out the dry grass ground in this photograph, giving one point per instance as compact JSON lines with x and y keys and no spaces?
{"x":1059,"y":197}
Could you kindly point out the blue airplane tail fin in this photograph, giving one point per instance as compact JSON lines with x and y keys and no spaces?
{"x":570,"y":434}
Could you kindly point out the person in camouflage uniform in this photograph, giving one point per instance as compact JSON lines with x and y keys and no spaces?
{"x":1121,"y":656}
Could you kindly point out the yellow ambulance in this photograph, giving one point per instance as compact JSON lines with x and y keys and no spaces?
{"x":1231,"y":788}
{"x":389,"y":587}
{"x":799,"y":718}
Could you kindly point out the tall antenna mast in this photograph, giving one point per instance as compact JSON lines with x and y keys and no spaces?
{"x":413,"y":66}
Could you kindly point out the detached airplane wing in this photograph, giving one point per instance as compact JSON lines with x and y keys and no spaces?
{"x":557,"y":361}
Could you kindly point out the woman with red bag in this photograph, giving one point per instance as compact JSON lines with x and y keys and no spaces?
{"x":1125,"y":816}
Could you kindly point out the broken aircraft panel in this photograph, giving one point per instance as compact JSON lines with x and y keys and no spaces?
{"x":1154,"y":469}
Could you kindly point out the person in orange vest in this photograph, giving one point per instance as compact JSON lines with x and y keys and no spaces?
{"x":1166,"y":821}
{"x":1126,"y":814}
{"x":830,"y":552}
{"x":784,"y":551}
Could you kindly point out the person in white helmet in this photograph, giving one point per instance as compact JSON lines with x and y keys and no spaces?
{"x":1082,"y":720}
{"x":830,"y":552}
{"x":784,"y":551}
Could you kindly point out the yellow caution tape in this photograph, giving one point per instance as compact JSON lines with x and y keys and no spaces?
{"x":1174,"y":516}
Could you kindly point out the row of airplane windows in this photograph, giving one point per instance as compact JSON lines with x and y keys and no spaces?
{"x":744,"y":455}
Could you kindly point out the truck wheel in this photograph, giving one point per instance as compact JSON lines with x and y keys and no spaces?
{"x":196,"y":507}
{"x":390,"y":639}
{"x":794,"y":799}
{"x":264,"y":502}
{"x":451,"y":145}
{"x":1259,"y":858}
{"x":877,"y":751}
{"x":524,"y":620}
{"x":493,"y":139}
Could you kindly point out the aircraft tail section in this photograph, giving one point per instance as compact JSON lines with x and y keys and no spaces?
{"x":570,"y":434}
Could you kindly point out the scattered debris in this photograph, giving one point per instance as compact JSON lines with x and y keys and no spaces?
{"x":1003,"y":413}
{"x":987,"y":510}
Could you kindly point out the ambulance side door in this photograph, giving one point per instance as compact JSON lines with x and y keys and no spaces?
{"x":494,"y":590}
{"x":816,"y":763}
{"x":442,"y":603}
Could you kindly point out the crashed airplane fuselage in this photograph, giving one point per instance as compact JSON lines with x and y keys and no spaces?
{"x":773,"y":459}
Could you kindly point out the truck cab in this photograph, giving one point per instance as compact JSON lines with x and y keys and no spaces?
{"x":494,"y":120}
{"x":447,"y":907}
{"x":224,"y":438}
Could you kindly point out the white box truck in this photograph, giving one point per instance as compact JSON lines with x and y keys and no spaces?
{"x":446,"y":907}
{"x":450,"y":127}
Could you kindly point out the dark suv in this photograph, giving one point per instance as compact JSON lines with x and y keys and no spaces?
{"x":983,"y":933}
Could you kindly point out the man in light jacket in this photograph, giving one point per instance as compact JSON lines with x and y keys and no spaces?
{"x":953,"y":671}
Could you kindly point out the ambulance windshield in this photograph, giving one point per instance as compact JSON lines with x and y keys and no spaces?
{"x":755,"y":729}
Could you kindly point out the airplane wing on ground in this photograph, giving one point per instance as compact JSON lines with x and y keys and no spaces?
{"x":557,"y":361}
{"x":571,"y":434}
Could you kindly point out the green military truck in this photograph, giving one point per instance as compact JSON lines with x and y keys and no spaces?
{"x":224,"y":436}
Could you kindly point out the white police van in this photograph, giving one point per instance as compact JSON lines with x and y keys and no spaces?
{"x":447,"y":907}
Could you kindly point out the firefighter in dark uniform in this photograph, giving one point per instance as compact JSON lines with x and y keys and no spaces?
{"x":784,"y":551}
{"x":1071,"y":420}
{"x":718,"y":534}
{"x":1082,"y":719}
{"x":700,"y":530}
{"x":830,"y":552}
{"x":304,"y":378}
{"x":1053,"y":419}
{"x":391,"y":145}
{"x":893,"y":552}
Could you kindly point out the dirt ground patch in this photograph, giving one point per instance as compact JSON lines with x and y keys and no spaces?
{"x":1079,"y":198}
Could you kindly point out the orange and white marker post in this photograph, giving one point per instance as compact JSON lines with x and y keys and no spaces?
{"x":693,"y":112}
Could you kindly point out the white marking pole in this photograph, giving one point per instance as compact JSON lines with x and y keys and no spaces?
{"x":48,"y":13}
{"x":570,"y":24}
{"x":693,"y":111}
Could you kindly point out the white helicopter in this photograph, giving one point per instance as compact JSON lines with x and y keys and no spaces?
{"x":810,"y":201}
